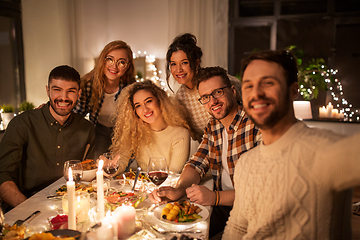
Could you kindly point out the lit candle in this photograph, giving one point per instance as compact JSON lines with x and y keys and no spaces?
{"x":334,"y":113}
{"x":125,"y":217}
{"x":322,"y":112}
{"x":104,"y":232}
{"x":100,"y":190}
{"x":70,"y":185}
{"x":329,"y":109}
{"x":110,"y":220}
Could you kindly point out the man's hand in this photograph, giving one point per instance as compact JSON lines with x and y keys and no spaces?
{"x":201,"y":195}
{"x":164,"y":194}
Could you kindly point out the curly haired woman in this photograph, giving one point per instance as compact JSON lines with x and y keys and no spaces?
{"x":148,"y":123}
{"x":183,"y":60}
{"x":113,"y":71}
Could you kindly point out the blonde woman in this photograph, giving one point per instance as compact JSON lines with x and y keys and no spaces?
{"x":101,"y":87}
{"x":149,"y":123}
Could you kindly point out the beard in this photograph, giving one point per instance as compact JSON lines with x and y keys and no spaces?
{"x":60,"y":111}
{"x":225,"y":113}
{"x":276,"y":115}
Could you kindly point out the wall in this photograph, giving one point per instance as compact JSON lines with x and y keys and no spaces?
{"x":74,"y":32}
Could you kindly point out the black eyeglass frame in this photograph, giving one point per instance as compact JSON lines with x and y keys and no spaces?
{"x":212,"y":94}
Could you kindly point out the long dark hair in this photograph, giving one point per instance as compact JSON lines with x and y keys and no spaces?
{"x":187,"y":43}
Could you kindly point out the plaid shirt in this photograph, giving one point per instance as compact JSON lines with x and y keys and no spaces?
{"x":83,"y":106}
{"x":243,"y":136}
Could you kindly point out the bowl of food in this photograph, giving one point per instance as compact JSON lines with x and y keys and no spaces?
{"x":89,"y":170}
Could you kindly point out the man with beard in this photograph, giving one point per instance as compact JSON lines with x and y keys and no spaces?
{"x":295,"y":184}
{"x":228,"y":135}
{"x":37,"y":142}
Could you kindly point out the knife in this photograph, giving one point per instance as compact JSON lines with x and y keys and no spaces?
{"x":20,"y":222}
{"x":136,"y":178}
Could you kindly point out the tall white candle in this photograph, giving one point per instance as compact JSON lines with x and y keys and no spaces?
{"x":329,"y":109}
{"x":100,"y":190}
{"x":70,"y":185}
{"x":125,"y":216}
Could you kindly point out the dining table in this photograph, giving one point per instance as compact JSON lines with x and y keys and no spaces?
{"x":146,"y":218}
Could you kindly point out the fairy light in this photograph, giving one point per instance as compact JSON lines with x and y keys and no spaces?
{"x":152,"y":72}
{"x":337,"y":93}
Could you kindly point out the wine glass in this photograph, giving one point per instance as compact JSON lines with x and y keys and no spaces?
{"x":157,"y":170}
{"x":111,"y":163}
{"x":77,"y":170}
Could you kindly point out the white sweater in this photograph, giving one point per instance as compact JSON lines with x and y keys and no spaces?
{"x":295,"y":188}
{"x":173,"y":143}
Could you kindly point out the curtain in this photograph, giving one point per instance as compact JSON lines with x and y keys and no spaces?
{"x":208,"y":21}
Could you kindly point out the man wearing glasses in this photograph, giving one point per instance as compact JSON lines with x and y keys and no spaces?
{"x":229,"y":134}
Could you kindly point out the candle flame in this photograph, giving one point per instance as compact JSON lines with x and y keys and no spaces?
{"x":70,"y":175}
{"x":101,"y":164}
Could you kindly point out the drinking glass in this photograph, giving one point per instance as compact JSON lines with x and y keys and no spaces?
{"x":111,"y":164}
{"x":157,"y":170}
{"x":77,"y":170}
{"x":82,"y":205}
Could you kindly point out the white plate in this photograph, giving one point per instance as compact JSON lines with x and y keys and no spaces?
{"x":52,"y":191}
{"x":204,"y":214}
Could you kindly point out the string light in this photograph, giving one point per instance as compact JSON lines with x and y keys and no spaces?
{"x":152,"y":73}
{"x":337,"y":94}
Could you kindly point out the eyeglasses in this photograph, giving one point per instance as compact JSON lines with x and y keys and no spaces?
{"x":219,"y":92}
{"x":121,"y":63}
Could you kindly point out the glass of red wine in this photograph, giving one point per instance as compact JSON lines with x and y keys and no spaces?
{"x":77,"y":170}
{"x":158,"y":170}
{"x":111,"y":164}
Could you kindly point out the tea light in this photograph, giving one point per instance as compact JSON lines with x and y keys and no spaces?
{"x":125,"y":217}
{"x":100,"y":190}
{"x":70,"y":185}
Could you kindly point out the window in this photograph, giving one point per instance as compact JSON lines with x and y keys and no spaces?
{"x":12,"y":83}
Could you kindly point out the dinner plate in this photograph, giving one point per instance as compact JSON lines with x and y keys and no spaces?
{"x":64,"y":232}
{"x":52,"y":191}
{"x":204,"y":214}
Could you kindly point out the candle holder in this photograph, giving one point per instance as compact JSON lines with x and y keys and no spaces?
{"x":82,"y":205}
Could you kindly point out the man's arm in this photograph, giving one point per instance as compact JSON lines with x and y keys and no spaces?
{"x":188,"y":177}
{"x":11,"y":194}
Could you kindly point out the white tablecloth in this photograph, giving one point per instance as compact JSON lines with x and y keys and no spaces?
{"x":51,"y":207}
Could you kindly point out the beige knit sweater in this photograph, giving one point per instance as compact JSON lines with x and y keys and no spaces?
{"x":173,"y":143}
{"x":295,"y":188}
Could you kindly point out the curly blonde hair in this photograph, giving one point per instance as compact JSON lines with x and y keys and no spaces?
{"x":98,"y":76}
{"x":130,"y":132}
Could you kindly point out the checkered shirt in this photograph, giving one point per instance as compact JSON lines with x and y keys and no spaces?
{"x":83,"y":106}
{"x":243,"y":136}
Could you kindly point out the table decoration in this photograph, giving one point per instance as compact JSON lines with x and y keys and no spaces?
{"x":109,"y":219}
{"x":81,"y":205}
{"x":125,"y":217}
{"x":104,"y":232}
{"x":70,"y":185}
{"x":329,"y":112}
{"x":100,"y":188}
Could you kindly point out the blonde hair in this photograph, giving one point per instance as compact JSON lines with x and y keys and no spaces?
{"x":130,"y":132}
{"x":98,"y":76}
